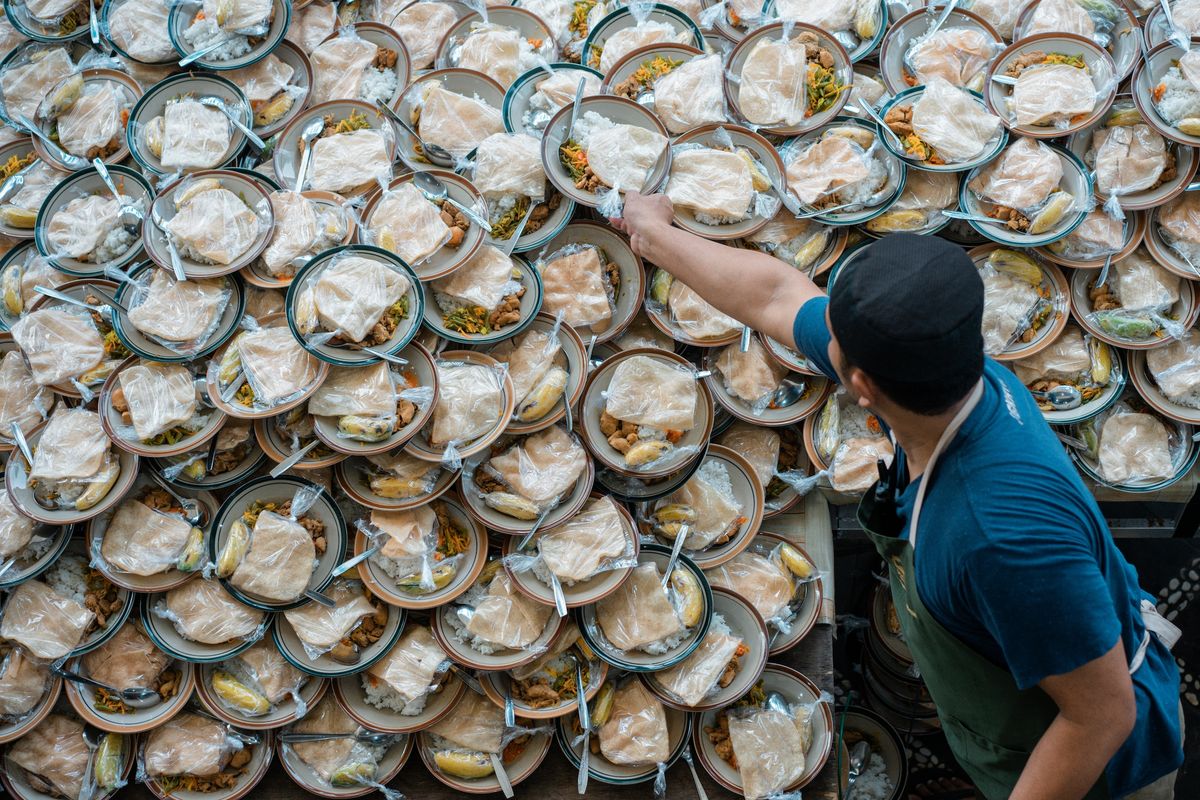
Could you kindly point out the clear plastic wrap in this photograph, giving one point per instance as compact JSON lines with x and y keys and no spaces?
{"x":592,"y":542}
{"x":20,"y":210}
{"x":1094,"y":21}
{"x":129,"y":660}
{"x":408,"y":547}
{"x":1128,"y":159}
{"x":56,"y":752}
{"x":919,"y":208}
{"x":509,"y":164}
{"x":213,"y":225}
{"x":400,"y":475}
{"x":500,"y":52}
{"x":1138,"y":299}
{"x":90,"y":124}
{"x":1021,"y":178}
{"x":59,"y":344}
{"x":453,"y":121}
{"x":767,"y":581}
{"x":1067,"y":359}
{"x":16,"y":530}
{"x":180,"y":316}
{"x":367,"y":391}
{"x":770,"y":746}
{"x":312,"y":25}
{"x":716,"y":185}
{"x":22,"y":401}
{"x":320,"y":628}
{"x":1053,"y":94}
{"x":499,"y":617}
{"x":303,"y":228}
{"x":29,"y":75}
{"x":540,"y":469}
{"x":772,"y":86}
{"x":953,"y":122}
{"x":202,"y":611}
{"x":705,"y":509}
{"x":639,"y":615}
{"x":577,"y":284}
{"x":624,"y":41}
{"x":643,"y":333}
{"x":1176,"y":369}
{"x":1008,"y":303}
{"x":620,"y":156}
{"x":653,"y":392}
{"x":1000,"y":14}
{"x":839,"y":170}
{"x":187,"y":744}
{"x":854,"y":463}
{"x":959,"y":55}
{"x":758,"y":445}
{"x":350,"y":161}
{"x":799,"y":242}
{"x":344,"y":762}
{"x":410,"y":225}
{"x":23,"y":275}
{"x":702,"y":673}
{"x":349,"y":297}
{"x":139,"y":27}
{"x":23,"y":684}
{"x":476,"y":724}
{"x":1179,"y":224}
{"x":270,"y":672}
{"x":1134,"y":447}
{"x":88,"y":229}
{"x":470,"y":400}
{"x":140,"y":540}
{"x":276,"y":368}
{"x":752,"y":376}
{"x":188,"y":135}
{"x":44,"y":622}
{"x":226,"y":27}
{"x":340,"y":65}
{"x":422,"y":26}
{"x":636,"y":731}
{"x":73,"y":465}
{"x":410,"y":671}
{"x":157,"y":398}
{"x":692,"y":94}
{"x":279,"y":562}
{"x":1099,"y":235}
{"x":531,"y":357}
{"x":554,"y":93}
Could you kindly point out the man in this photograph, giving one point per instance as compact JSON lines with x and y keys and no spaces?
{"x":1053,"y":679}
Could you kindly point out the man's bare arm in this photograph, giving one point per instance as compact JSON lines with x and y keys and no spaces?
{"x":754,"y":288}
{"x":1096,"y":712}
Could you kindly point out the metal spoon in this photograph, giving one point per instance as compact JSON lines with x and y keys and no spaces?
{"x":92,"y":737}
{"x":22,"y":445}
{"x":467,"y":678}
{"x":974,"y":217}
{"x":687,"y":757}
{"x":434,"y":153}
{"x":821,"y":211}
{"x":883,"y":126}
{"x":744,"y":346}
{"x":314,"y":595}
{"x":68,"y":160}
{"x":945,"y":15}
{"x":789,"y":392}
{"x":575,"y":105}
{"x":13,"y":183}
{"x":1063,"y":398}
{"x":311,"y":131}
{"x":191,"y":509}
{"x":776,"y":702}
{"x":135,"y":698}
{"x":212,"y":101}
{"x":858,"y":758}
{"x":210,"y":460}
{"x":292,"y":460}
{"x":437,"y":191}
{"x":351,"y":563}
{"x":537,"y":523}
{"x":1007,"y":80}
{"x":66,"y":298}
{"x":510,"y":711}
{"x":131,"y":216}
{"x":501,"y":775}
{"x":365,"y":737}
{"x":1103,"y":272}
{"x":511,"y":244}
{"x":1177,"y":36}
{"x":587,"y":357}
{"x":176,"y":262}
{"x":388,"y":357}
{"x":93,"y":26}
{"x":560,"y":599}
{"x":675,"y":550}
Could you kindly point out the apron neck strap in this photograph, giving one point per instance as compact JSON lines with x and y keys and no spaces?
{"x":947,"y":436}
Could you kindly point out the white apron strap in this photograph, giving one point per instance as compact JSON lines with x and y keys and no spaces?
{"x":947,"y":437}
{"x":1158,"y":625}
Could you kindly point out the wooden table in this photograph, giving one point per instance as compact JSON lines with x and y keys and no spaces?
{"x":555,"y":778}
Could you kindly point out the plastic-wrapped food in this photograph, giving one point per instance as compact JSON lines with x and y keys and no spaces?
{"x":641,"y":34}
{"x":22,"y":401}
{"x":303,"y":228}
{"x":16,"y":529}
{"x":276,"y":367}
{"x":770,"y":747}
{"x":957,"y":55}
{"x":752,"y":376}
{"x":352,"y":293}
{"x":39,"y":182}
{"x":639,"y":614}
{"x":58,"y":344}
{"x":772,"y":89}
{"x":93,"y":121}
{"x":409,"y":224}
{"x":636,"y":731}
{"x":541,"y":468}
{"x":500,"y":52}
{"x":1141,"y":284}
{"x":1022,"y":177}
{"x":870,"y":88}
{"x":83,"y":229}
{"x":1129,"y":158}
{"x":279,"y":563}
{"x":1007,"y":302}
{"x":758,"y":445}
{"x":470,"y":399}
{"x":129,"y":660}
{"x":46,"y":623}
{"x":506,"y":618}
{"x":716,"y":185}
{"x":1179,"y":223}
{"x":1134,"y":448}
{"x":1064,"y":360}
{"x":204,"y":612}
{"x":312,"y":25}
{"x":706,"y":505}
{"x":273,"y":673}
{"x":159,"y":397}
{"x":56,"y":752}
{"x":27,"y":80}
{"x":799,"y":242}
{"x":620,"y":156}
{"x":139,"y":27}
{"x":320,"y":628}
{"x":366,"y":391}
{"x":529,"y":356}
{"x":476,"y":724}
{"x":1097,"y":236}
{"x":925,"y":196}
{"x":1053,"y":94}
{"x":591,"y":541}
{"x":73,"y":448}
{"x":455,"y":122}
{"x":691,"y":94}
{"x":694,"y":678}
{"x":267,"y":87}
{"x":653,"y":392}
{"x":1176,"y":369}
{"x":576,"y":283}
{"x":853,"y":468}
{"x":832,"y":16}
{"x":194,"y":136}
{"x":339,"y":67}
{"x":339,"y":762}
{"x":509,"y":163}
{"x":22,"y":684}
{"x":212,"y":225}
{"x":837,"y":168}
{"x":178,"y":314}
{"x":187,"y":744}
{"x":952,"y":122}
{"x":22,"y":276}
{"x":401,"y":475}
{"x":558,"y":91}
{"x":480,"y":292}
{"x":1001,"y":14}
{"x":343,"y":162}
{"x":410,"y":669}
{"x":142,"y":541}
{"x":1060,"y":16}
{"x":763,"y":582}
{"x":422,"y":26}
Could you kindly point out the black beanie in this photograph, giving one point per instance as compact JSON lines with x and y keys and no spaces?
{"x":909,"y":308}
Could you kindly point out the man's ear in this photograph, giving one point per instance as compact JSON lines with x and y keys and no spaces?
{"x":863,"y":387}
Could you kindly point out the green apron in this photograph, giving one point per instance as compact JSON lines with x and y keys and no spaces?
{"x":991,"y":725}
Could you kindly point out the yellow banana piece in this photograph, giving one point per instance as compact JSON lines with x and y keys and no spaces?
{"x":688,"y":588}
{"x":273,"y":110}
{"x":442,"y":575}
{"x":463,"y":765}
{"x":1052,"y":213}
{"x":543,"y":396}
{"x":234,"y":550}
{"x":675,"y":512}
{"x":602,"y":704}
{"x":646,"y":451}
{"x":391,"y":487}
{"x":1017,"y":264}
{"x":239,"y":695}
{"x":107,"y":761}
{"x":193,"y":552}
{"x":17,"y":217}
{"x":511,"y":505}
{"x":10,"y":284}
{"x":809,"y":251}
{"x":194,"y":189}
{"x":98,"y":488}
{"x":154,"y":135}
{"x":795,"y":562}
{"x":366,"y":429}
{"x":356,"y":774}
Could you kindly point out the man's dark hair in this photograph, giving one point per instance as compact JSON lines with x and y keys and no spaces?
{"x":908,"y":311}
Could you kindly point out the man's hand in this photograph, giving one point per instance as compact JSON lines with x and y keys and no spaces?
{"x":645,"y":217}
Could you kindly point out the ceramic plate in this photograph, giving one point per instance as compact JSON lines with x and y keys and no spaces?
{"x":1147,"y":386}
{"x":167,"y":638}
{"x":354,"y":476}
{"x":465,"y":82}
{"x":517,"y":770}
{"x":255,"y":771}
{"x":1184,"y":311}
{"x":528,"y":25}
{"x":518,"y":115}
{"x":16,"y":476}
{"x":285,"y":160}
{"x":911,"y":27}
{"x":183,"y":15}
{"x":281,"y":713}
{"x":531,"y":304}
{"x":292,"y":648}
{"x":155,"y":99}
{"x":353,"y":698}
{"x":571,"y":359}
{"x":125,"y":437}
{"x":420,"y":446}
{"x":140,"y":719}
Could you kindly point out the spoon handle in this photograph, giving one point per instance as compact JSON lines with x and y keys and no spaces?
{"x":471,"y":214}
{"x":66,"y":298}
{"x":19,"y":437}
{"x":675,"y":550}
{"x":17,"y":179}
{"x":520,"y":229}
{"x":293,"y":459}
{"x":350,"y":564}
{"x":102,"y":170}
{"x":63,"y":155}
{"x":254,"y":138}
{"x":501,"y":775}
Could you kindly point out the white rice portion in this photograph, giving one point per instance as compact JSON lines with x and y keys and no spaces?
{"x":709,"y":219}
{"x":205,"y":32}
{"x":33,"y":552}
{"x":68,"y":577}
{"x":186,"y":251}
{"x":664,"y":646}
{"x":378,"y":85}
{"x":115,"y":244}
{"x":873,"y":782}
{"x":385,"y":698}
{"x":439,"y":743}
{"x":1180,"y":100}
{"x":587,"y":124}
{"x":397,"y":568}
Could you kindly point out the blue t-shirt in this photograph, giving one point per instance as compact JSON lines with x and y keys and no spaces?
{"x":1017,"y":561}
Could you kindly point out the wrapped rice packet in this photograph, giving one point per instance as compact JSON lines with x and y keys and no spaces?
{"x":498,"y":51}
{"x":579,"y":283}
{"x":193,"y":749}
{"x":644,"y":615}
{"x":159,"y":404}
{"x":532,"y":476}
{"x":649,"y":404}
{"x":774,"y":739}
{"x":1137,"y":301}
{"x":592,"y":542}
{"x":1023,"y":185}
{"x":181,"y":316}
{"x":710,"y":668}
{"x":56,"y":757}
{"x":492,"y":616}
{"x":844,"y":168}
{"x":257,"y":681}
{"x":23,"y":684}
{"x":202,"y":611}
{"x":720,"y":183}
{"x":144,"y":538}
{"x":214,"y":225}
{"x":959,"y":55}
{"x":469,"y":404}
{"x":341,"y":763}
{"x":413,"y":669}
{"x":1130,"y":445}
{"x":324,"y":630}
{"x":408,"y":544}
{"x":46,"y":623}
{"x":74,"y":466}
